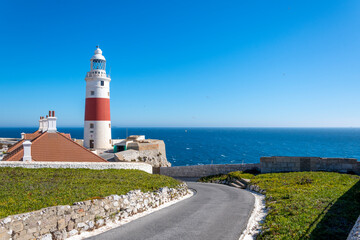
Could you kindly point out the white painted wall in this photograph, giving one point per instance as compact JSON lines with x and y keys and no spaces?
{"x":89,"y":165}
{"x":101,"y":134}
{"x":52,"y":124}
{"x":27,"y":151}
{"x":94,"y":84}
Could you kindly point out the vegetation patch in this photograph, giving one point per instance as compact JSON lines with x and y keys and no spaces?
{"x":24,"y":190}
{"x":223,"y":177}
{"x":307,"y":205}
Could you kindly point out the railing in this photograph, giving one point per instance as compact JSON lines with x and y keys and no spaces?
{"x":92,"y":74}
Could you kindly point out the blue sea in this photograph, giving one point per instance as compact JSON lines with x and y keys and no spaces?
{"x":193,"y":146}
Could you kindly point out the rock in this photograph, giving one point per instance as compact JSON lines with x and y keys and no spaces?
{"x":99,"y":222}
{"x":7,"y":220}
{"x":5,"y":236}
{"x":73,"y":233}
{"x":46,"y":237}
{"x":60,"y":235}
{"x":149,"y":151}
{"x":17,"y":226}
{"x":70,"y":226}
{"x":61,"y":224}
{"x":82,"y":226}
{"x":91,"y":224}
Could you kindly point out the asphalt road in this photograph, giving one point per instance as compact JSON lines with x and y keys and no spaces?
{"x":214,"y":212}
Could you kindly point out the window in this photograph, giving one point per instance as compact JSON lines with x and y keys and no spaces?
{"x":99,"y":64}
{"x":91,"y":125}
{"x":102,"y":83}
{"x":110,"y":141}
{"x":109,"y":94}
{"x":92,"y":93}
{"x":109,"y":125}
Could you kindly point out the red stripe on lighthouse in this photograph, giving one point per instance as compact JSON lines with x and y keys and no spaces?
{"x":97,"y":109}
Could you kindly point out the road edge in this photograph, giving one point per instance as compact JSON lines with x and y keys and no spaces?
{"x":258,"y":215}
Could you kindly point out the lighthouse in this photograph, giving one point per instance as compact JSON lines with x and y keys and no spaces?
{"x":97,"y":126}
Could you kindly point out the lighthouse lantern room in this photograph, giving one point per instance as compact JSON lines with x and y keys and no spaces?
{"x":97,"y":126}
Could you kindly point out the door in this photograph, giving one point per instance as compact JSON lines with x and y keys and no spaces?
{"x":91,"y":143}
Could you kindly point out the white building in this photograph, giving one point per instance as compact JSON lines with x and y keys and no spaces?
{"x":97,"y":126}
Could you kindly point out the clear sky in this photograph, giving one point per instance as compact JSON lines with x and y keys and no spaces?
{"x":241,"y":63}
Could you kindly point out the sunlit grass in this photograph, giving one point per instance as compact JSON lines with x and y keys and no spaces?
{"x":23,"y":190}
{"x":307,"y":205}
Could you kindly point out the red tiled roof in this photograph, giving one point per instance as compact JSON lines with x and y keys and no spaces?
{"x":31,"y":136}
{"x":53,"y":147}
{"x":27,"y":136}
{"x":16,"y":145}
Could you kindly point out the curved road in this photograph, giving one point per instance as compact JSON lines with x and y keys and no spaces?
{"x":214,"y":212}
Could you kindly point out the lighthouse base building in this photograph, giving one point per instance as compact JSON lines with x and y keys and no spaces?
{"x":97,"y":126}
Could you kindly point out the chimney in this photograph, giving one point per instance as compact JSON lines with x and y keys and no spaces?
{"x":40,"y":124}
{"x":52,"y":122}
{"x":27,"y":151}
{"x":45,"y":124}
{"x":22,"y":135}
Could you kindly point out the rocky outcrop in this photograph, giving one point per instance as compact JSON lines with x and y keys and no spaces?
{"x":153,"y":157}
{"x":60,"y":222}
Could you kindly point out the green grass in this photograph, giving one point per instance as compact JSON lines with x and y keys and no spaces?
{"x":221,"y":177}
{"x":23,"y":190}
{"x":308,"y":205}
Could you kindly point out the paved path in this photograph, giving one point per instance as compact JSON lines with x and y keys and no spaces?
{"x":215,"y":212}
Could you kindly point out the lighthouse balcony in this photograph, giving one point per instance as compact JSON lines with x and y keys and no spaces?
{"x":97,"y":74}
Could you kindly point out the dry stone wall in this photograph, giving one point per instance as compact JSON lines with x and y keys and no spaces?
{"x":300,"y":164}
{"x":268,"y":165}
{"x":60,"y":222}
{"x":197,"y":171}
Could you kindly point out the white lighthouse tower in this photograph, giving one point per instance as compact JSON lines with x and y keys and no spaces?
{"x":97,"y":126}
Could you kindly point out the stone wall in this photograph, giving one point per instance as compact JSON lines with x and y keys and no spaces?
{"x":297,"y":164}
{"x":98,"y":166}
{"x":268,"y":165}
{"x":60,"y":222}
{"x":198,"y":171}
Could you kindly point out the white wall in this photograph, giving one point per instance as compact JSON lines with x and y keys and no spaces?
{"x":97,"y":166}
{"x":101,"y":134}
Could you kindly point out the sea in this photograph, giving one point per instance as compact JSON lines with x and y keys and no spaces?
{"x":196,"y":146}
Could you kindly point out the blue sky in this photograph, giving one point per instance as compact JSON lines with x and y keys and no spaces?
{"x":184,"y":63}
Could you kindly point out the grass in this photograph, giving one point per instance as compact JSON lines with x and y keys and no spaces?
{"x":23,"y":190}
{"x":308,"y":205}
{"x":222,"y":177}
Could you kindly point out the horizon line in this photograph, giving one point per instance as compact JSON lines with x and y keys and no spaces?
{"x":194,"y":127}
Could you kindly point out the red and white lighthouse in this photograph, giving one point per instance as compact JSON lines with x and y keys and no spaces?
{"x":97,"y":126}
